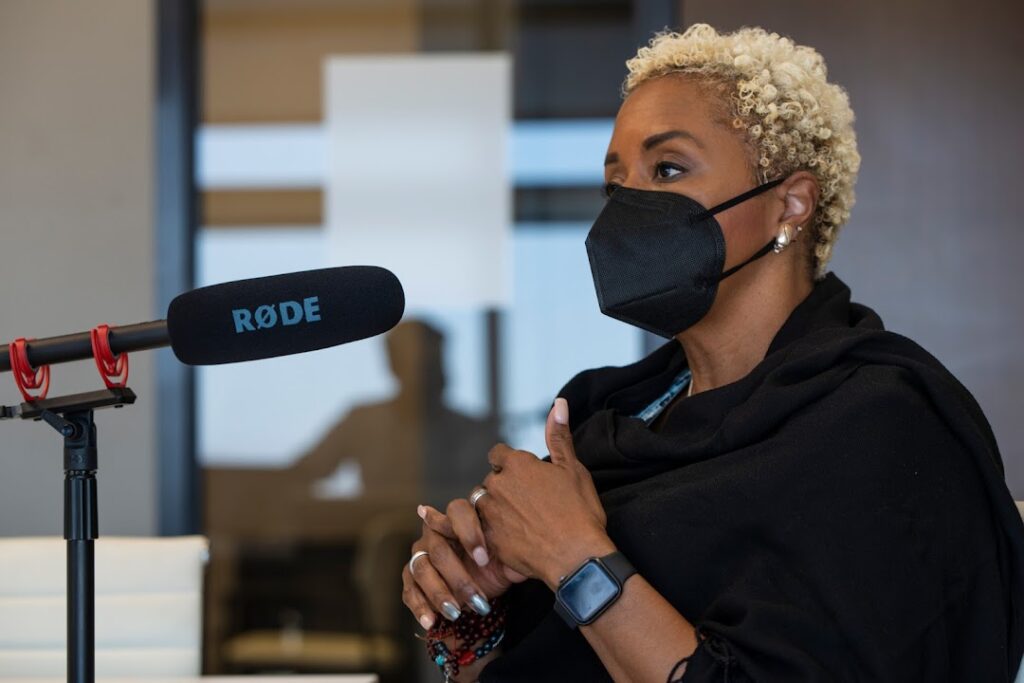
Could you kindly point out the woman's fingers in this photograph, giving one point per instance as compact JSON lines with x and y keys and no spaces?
{"x":558,"y":436}
{"x":436,"y":520}
{"x":444,"y":580}
{"x":436,"y":590}
{"x":461,"y":524}
{"x":417,"y":603}
{"x":466,"y":525}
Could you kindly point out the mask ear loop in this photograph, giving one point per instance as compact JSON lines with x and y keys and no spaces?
{"x":739,"y":199}
{"x":758,"y":254}
{"x":728,"y":204}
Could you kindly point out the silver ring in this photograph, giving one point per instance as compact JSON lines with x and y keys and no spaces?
{"x":477,"y":495}
{"x":415,"y":556}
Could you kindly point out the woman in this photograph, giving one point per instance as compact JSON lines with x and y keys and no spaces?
{"x":783,"y":491}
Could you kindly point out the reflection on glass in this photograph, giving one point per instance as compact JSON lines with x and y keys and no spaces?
{"x":315,"y":550}
{"x":409,"y":449}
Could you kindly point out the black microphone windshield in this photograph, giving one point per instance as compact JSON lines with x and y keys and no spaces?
{"x":283,"y":314}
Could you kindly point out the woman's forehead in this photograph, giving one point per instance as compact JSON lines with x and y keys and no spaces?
{"x":668,"y":103}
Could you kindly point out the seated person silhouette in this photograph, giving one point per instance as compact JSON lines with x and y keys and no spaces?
{"x":409,"y":449}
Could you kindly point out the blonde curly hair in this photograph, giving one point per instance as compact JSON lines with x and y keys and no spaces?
{"x":778,"y":92}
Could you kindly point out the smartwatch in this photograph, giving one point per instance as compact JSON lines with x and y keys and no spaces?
{"x":583,"y":595}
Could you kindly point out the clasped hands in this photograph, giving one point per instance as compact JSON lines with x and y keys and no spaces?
{"x":537,"y":520}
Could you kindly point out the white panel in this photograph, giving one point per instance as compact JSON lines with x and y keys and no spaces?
{"x":417,"y":172}
{"x":543,"y":153}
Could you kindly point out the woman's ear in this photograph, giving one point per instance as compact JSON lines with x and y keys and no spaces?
{"x":800,"y":193}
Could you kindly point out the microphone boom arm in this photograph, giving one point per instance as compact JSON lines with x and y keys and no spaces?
{"x":78,"y":346}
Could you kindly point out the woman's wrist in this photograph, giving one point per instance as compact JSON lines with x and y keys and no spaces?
{"x":574,"y":554}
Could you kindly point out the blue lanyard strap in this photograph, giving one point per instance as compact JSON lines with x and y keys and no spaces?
{"x":655,"y":407}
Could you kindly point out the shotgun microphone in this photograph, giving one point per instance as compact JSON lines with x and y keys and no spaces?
{"x":283,"y":314}
{"x":251,"y":319}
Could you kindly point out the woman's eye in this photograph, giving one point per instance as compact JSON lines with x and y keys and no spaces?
{"x":607,"y":189}
{"x":667,"y":170}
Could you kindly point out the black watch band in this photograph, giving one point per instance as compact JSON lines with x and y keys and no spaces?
{"x":592,"y":588}
{"x":619,"y":566}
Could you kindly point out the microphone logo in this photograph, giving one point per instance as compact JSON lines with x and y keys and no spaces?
{"x":270,"y":315}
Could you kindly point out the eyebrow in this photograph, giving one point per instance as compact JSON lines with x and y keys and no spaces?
{"x":657,"y":139}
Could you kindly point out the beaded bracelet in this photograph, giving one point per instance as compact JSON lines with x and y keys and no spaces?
{"x":449,"y":662}
{"x":468,"y":629}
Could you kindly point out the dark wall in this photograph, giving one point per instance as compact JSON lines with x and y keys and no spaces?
{"x":935,"y":242}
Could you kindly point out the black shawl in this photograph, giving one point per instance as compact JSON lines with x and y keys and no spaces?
{"x":838,"y":514}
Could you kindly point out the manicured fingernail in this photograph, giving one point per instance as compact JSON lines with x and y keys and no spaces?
{"x":450,"y":610}
{"x":480,"y":604}
{"x":561,"y":411}
{"x":480,"y":555}
{"x":421,"y":511}
{"x":426,"y":621}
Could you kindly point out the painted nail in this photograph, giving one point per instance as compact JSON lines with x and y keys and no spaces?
{"x":480,"y":555}
{"x":480,"y":604}
{"x":561,"y":411}
{"x":421,"y":511}
{"x":450,"y":610}
{"x":426,"y":621}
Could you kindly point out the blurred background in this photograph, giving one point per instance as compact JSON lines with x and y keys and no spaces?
{"x":151,"y":146}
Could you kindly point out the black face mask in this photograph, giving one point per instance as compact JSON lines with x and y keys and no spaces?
{"x":657,"y":257}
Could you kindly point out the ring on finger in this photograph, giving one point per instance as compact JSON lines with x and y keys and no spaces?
{"x":477,"y":494}
{"x":415,"y":556}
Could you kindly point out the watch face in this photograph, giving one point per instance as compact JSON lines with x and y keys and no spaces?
{"x":588,"y":591}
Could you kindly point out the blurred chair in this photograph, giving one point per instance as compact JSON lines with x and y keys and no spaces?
{"x":148,"y":606}
{"x":381,"y":551}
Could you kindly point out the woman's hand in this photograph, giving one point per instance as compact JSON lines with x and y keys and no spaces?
{"x":543,"y":519}
{"x":457,"y":572}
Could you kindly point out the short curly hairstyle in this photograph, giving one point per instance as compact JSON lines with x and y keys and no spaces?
{"x":778,"y":92}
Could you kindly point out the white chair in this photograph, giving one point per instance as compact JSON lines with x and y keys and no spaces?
{"x":148,"y":606}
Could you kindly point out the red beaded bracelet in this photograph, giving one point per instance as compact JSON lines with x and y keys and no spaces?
{"x":468,"y":629}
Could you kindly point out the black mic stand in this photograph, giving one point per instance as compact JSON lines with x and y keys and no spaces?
{"x":72,"y":417}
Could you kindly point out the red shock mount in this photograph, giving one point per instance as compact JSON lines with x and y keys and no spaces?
{"x":113,"y":369}
{"x":26,"y":377}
